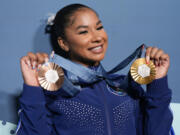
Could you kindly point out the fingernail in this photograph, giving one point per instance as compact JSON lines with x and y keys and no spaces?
{"x":147,"y":59}
{"x":34,"y":65}
{"x":39,"y":65}
{"x":29,"y":63}
{"x":52,"y":54}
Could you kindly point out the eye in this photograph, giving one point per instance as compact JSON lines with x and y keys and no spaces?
{"x":99,"y":28}
{"x":83,"y":32}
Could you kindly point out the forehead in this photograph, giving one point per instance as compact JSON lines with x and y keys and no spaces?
{"x":84,"y":16}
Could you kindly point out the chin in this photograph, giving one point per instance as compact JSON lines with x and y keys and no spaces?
{"x":98,"y":59}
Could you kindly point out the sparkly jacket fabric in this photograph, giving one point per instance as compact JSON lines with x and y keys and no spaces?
{"x":97,"y":110}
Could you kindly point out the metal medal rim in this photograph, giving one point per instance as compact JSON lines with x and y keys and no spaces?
{"x":43,"y":81}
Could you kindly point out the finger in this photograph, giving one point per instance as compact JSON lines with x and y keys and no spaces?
{"x":41,"y":58}
{"x":46,"y":57}
{"x":154,"y":50}
{"x":160,"y":62}
{"x":165,"y":60}
{"x":156,"y":62}
{"x":147,"y":55}
{"x":32,"y":56}
{"x":158,"y":56}
{"x":164,"y":57}
{"x":39,"y":66}
{"x":25,"y":60}
{"x":33,"y":59}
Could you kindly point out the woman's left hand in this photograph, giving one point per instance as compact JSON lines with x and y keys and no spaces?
{"x":160,"y":59}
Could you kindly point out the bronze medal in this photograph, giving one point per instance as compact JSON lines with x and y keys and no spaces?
{"x":50,"y":76}
{"x":141,"y":72}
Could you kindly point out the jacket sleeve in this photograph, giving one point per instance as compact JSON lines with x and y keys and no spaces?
{"x":33,"y":115}
{"x":158,"y":117}
{"x":152,"y":113}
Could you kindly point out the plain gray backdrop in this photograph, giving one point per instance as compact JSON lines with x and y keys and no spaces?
{"x":128,"y":24}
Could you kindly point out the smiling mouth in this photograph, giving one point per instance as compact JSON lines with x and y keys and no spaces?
{"x":97,"y":49}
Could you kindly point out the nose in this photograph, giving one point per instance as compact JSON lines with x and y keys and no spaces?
{"x":96,"y":37}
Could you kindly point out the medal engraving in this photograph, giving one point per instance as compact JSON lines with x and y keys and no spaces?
{"x":141,"y":72}
{"x":50,"y":76}
{"x":144,"y":71}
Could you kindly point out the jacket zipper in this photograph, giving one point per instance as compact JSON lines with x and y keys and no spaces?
{"x":106,"y":113}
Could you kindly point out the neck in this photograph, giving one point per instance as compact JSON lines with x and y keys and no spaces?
{"x":86,"y":63}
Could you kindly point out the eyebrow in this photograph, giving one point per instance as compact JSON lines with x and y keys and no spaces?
{"x":98,"y":22}
{"x":85,"y":26}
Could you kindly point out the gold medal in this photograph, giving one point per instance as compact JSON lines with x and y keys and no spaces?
{"x":141,"y":72}
{"x":50,"y":76}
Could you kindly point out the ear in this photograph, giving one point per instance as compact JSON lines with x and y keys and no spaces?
{"x":63,"y":44}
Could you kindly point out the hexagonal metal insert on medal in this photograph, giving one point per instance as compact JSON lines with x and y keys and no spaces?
{"x":51,"y":76}
{"x":144,"y":71}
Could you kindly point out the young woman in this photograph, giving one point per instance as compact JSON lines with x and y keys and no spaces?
{"x":98,"y":109}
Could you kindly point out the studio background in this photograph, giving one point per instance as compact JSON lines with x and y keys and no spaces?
{"x":127,"y":23}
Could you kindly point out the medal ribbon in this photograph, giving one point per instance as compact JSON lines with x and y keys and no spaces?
{"x":78,"y":74}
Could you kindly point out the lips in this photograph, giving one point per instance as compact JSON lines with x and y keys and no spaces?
{"x":96,"y":49}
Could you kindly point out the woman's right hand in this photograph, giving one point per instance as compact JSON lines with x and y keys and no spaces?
{"x":29,"y":65}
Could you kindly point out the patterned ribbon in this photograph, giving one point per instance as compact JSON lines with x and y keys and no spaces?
{"x":76,"y":74}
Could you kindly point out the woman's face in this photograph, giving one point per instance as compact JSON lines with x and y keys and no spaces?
{"x":86,"y":40}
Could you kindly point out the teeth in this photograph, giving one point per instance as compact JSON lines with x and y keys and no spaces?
{"x":96,"y":48}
